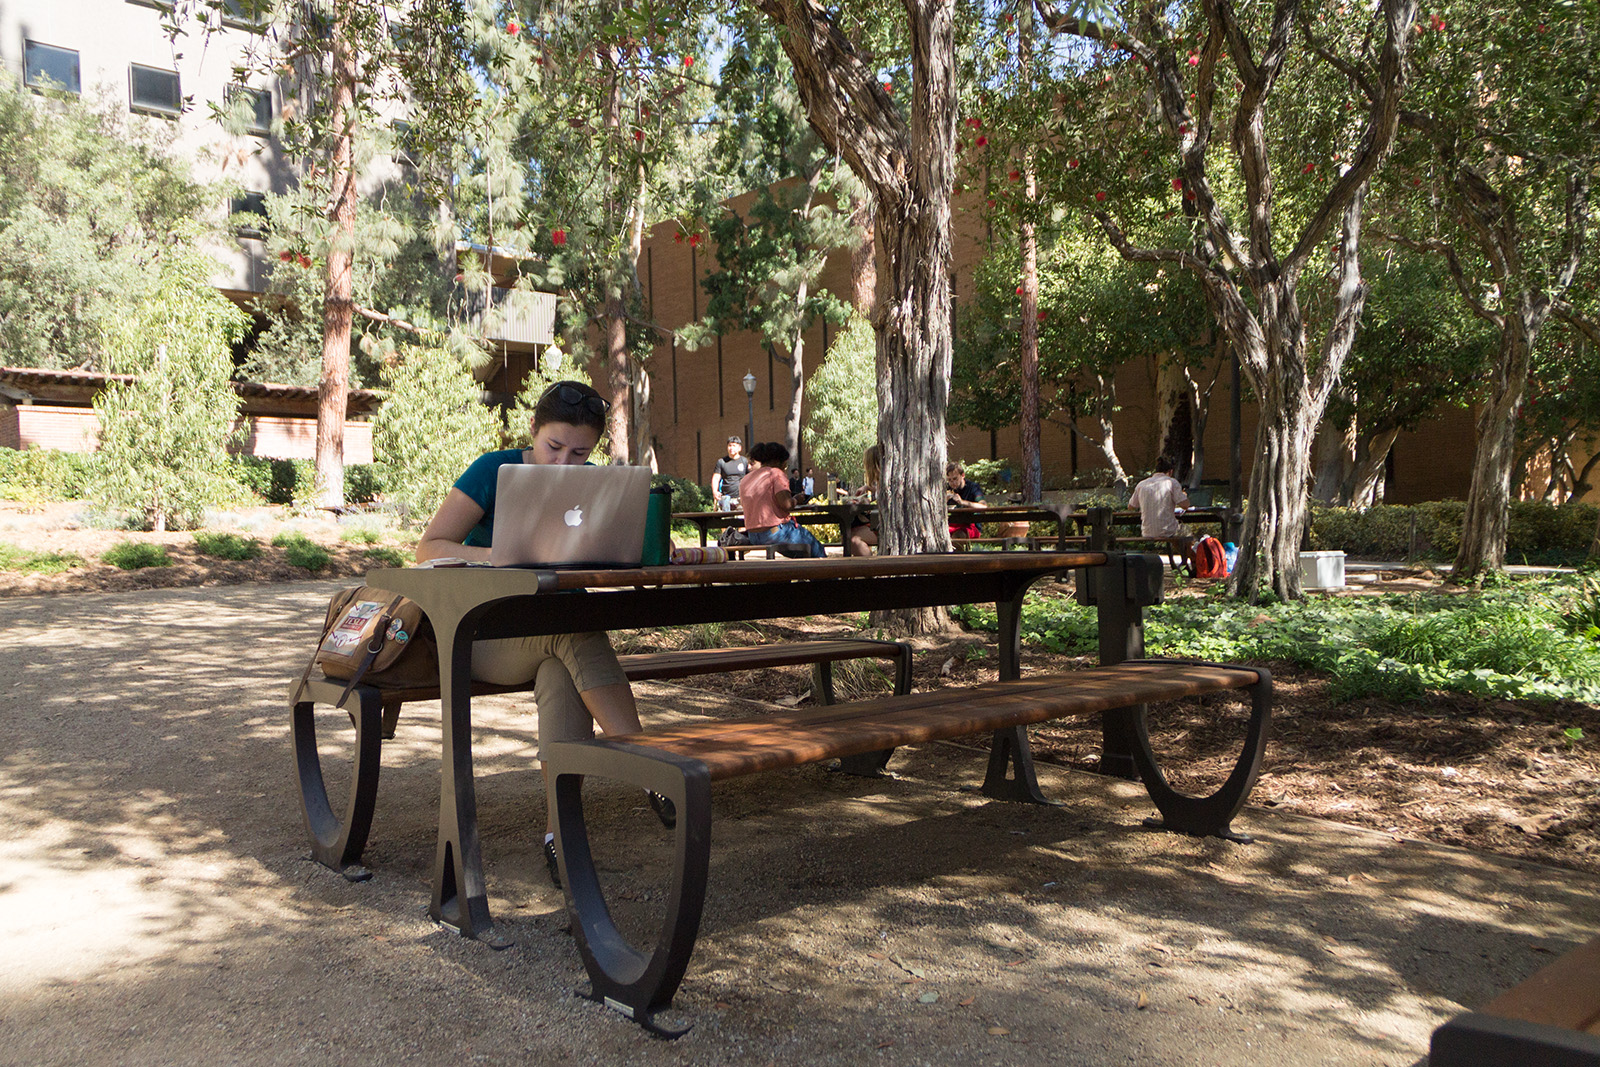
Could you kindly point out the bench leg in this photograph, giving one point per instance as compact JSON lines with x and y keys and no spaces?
{"x":1209,"y":816}
{"x":867,"y":764}
{"x":1011,"y":775}
{"x":391,"y":719}
{"x":626,"y":979}
{"x":337,"y":843}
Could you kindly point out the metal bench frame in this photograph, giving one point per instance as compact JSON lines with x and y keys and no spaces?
{"x":639,"y":983}
{"x":338,"y":839}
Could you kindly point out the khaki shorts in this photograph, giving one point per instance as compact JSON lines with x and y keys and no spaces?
{"x":561,"y":666}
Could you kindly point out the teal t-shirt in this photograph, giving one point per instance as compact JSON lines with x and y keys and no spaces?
{"x":479,"y":482}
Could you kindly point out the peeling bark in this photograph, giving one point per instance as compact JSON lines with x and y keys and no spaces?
{"x":338,"y":300}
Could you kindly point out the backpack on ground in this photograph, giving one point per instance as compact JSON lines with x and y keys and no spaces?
{"x":1210,"y":561}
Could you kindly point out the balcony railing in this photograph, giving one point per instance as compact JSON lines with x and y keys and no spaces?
{"x":513,"y":316}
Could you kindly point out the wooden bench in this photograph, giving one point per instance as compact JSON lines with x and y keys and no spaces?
{"x":338,"y":842}
{"x":1550,"y":1020}
{"x":682,"y":760}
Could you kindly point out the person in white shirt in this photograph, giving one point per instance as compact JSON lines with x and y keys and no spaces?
{"x":1159,"y":499}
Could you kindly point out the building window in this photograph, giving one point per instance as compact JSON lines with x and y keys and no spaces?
{"x":249,"y":211}
{"x":244,"y":14}
{"x":258,"y":110}
{"x":46,"y":66}
{"x":153,"y":90}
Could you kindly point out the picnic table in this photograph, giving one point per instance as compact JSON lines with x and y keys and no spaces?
{"x":466,"y":604}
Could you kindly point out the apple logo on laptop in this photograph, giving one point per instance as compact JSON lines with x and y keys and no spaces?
{"x":574,"y":517}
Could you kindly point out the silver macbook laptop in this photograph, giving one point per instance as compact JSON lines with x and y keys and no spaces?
{"x":557,"y":516}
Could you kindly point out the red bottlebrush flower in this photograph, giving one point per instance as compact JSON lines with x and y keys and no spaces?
{"x":888,"y":87}
{"x":991,"y":203}
{"x":1194,"y":60}
{"x":460,"y":277}
{"x":1309,"y":168}
{"x":1188,"y":194}
{"x":1177,"y":183}
{"x":285,"y":257}
{"x":1043,"y":315}
{"x":688,"y":61}
{"x":305,"y":260}
{"x":1072,"y":164}
{"x":678,"y":237}
{"x":1019,"y":290}
{"x":1100,"y":196}
{"x":558,"y":237}
{"x":974,"y":124}
{"x":1183,"y":130}
{"x":512,"y":28}
{"x":694,"y":239}
{"x":1416,"y":181}
{"x":981,"y":141}
{"x":638,"y":135}
{"x":1015,"y":175}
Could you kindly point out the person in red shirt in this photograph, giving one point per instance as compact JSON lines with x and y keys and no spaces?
{"x":764,"y":493}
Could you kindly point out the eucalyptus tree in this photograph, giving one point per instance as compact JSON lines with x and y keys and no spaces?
{"x":1499,"y":154}
{"x":1214,"y":69}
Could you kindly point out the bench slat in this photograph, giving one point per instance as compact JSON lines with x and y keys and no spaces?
{"x":654,"y":666}
{"x":790,"y":738}
{"x":1564,"y":994}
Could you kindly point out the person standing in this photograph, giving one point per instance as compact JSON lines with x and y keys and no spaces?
{"x":728,"y":475}
{"x":1159,"y":499}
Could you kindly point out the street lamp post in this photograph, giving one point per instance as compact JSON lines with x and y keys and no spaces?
{"x":750,"y":422}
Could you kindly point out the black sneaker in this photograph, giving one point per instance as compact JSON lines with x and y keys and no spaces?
{"x":664,"y":808}
{"x":551,"y":864}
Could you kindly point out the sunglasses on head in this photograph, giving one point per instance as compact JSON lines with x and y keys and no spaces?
{"x":573,"y":397}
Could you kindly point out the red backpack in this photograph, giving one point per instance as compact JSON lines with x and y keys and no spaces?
{"x":1210,"y":561}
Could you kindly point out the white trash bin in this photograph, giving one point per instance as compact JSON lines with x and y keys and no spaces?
{"x":1321,"y":570}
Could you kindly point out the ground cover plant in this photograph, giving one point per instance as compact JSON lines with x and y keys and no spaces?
{"x":22,"y":560}
{"x":227,"y":546}
{"x":136,"y":555}
{"x":301,"y":551}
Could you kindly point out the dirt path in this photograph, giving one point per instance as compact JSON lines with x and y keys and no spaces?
{"x":163,"y":910}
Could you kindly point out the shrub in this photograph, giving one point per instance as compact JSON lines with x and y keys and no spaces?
{"x":13,"y":558}
{"x":136,"y":555}
{"x":429,"y":430}
{"x":686,"y":495}
{"x":301,"y":551}
{"x":1537,"y":532}
{"x":36,"y":475}
{"x":388,"y":557}
{"x":228,"y":546}
{"x":362,"y":483}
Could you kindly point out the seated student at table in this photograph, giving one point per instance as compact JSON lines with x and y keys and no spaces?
{"x":863,"y":534}
{"x":764,"y":493}
{"x":960,"y":493}
{"x":1159,"y":498}
{"x":577,"y":679}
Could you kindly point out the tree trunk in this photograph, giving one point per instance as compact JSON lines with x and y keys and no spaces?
{"x":1028,"y":338}
{"x":1364,"y":486}
{"x":338,"y":302}
{"x":1336,"y":455}
{"x":910,"y":173}
{"x":1483,"y":528}
{"x":864,"y":258}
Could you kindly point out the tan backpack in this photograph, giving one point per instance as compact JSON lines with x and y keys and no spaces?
{"x":377,"y":637}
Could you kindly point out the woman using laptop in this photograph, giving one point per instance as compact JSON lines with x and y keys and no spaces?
{"x":577,"y":679}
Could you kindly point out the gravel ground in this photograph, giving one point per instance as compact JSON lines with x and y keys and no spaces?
{"x":163,"y":909}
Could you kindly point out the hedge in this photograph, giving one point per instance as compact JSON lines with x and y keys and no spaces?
{"x":1539,"y":533}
